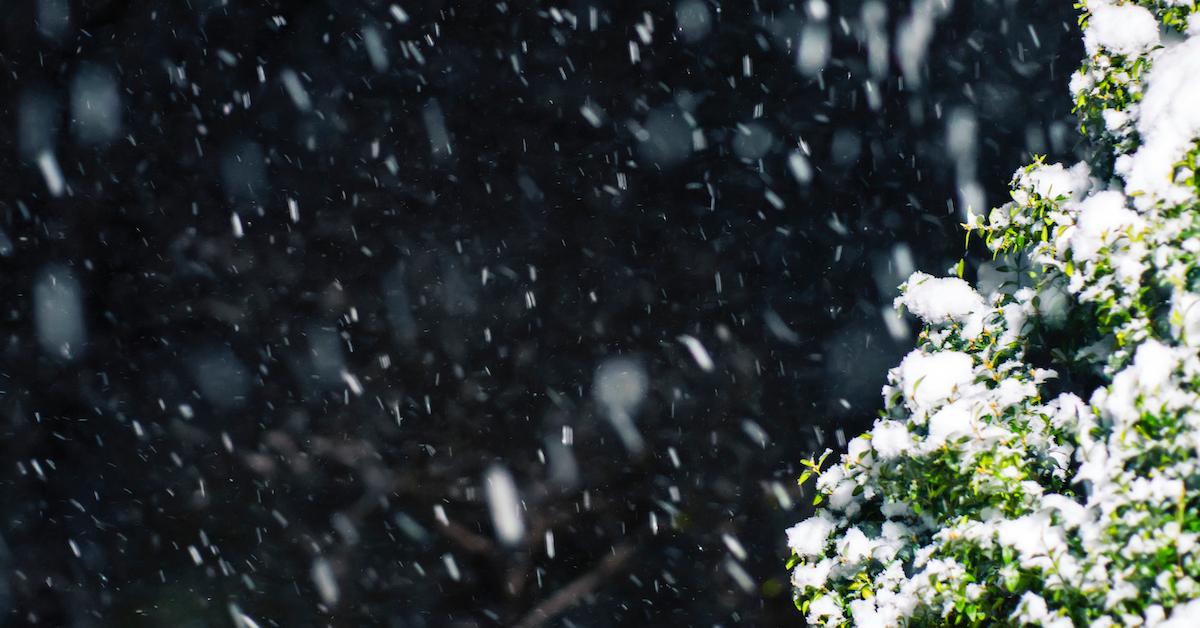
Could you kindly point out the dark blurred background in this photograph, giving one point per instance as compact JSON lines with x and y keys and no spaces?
{"x":468,"y":314}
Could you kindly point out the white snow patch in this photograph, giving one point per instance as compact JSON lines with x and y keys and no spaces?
{"x":1123,"y":29}
{"x":940,"y":300}
{"x":1102,"y":216}
{"x":890,"y":439}
{"x":1168,"y":123}
{"x":929,"y":379}
{"x":1053,"y":180}
{"x":808,"y":537}
{"x":956,"y":419}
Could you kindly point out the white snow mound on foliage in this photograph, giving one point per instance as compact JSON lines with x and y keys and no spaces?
{"x":1053,"y":180}
{"x":930,"y":379}
{"x":808,"y":537}
{"x":1169,"y":122}
{"x":1124,"y":29}
{"x":940,"y":300}
{"x":1101,"y":217}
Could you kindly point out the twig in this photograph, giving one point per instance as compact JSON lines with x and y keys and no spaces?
{"x":567,"y":596}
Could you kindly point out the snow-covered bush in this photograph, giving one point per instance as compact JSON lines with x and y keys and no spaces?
{"x":1037,"y":461}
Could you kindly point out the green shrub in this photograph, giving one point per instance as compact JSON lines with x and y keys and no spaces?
{"x":1036,"y":461}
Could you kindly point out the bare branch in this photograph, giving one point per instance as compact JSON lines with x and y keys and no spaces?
{"x":569,"y":595}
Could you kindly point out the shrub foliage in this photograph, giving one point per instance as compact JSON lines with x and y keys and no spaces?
{"x":1036,"y":459}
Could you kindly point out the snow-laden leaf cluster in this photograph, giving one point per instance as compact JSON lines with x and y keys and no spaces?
{"x":1037,"y":461}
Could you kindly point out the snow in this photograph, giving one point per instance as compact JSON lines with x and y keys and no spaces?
{"x":619,"y":386}
{"x":1153,"y":364}
{"x":854,"y":546}
{"x":970,"y":396}
{"x":592,"y":113}
{"x":915,"y":33}
{"x":451,"y":566}
{"x":867,"y":615}
{"x":504,"y":504}
{"x":962,"y":139}
{"x":897,"y":327}
{"x":1168,"y":122}
{"x":1101,"y":217}
{"x":1151,"y":369}
{"x":295,"y":89}
{"x":940,"y":300}
{"x":1033,"y":536}
{"x":1184,"y":616}
{"x":1124,"y":29}
{"x":815,"y":46}
{"x":58,"y":313}
{"x":376,"y":49}
{"x":666,"y":136}
{"x":1031,"y":610}
{"x":807,"y":538}
{"x":826,"y":608}
{"x":811,"y":574}
{"x":435,"y":126}
{"x":693,"y":19}
{"x":1185,"y":317}
{"x":954,"y":419}
{"x":324,"y":580}
{"x":890,"y":439}
{"x":800,"y":168}
{"x":54,"y":18}
{"x":1051,"y":181}
{"x":929,"y":379}
{"x":874,"y":15}
{"x":51,"y":172}
{"x":220,"y":377}
{"x":95,"y":105}
{"x":699,"y":353}
{"x":241,"y":619}
{"x":1115,"y":120}
{"x":752,"y":141}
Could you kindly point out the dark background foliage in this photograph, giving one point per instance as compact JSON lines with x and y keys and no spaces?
{"x":468,"y":249}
